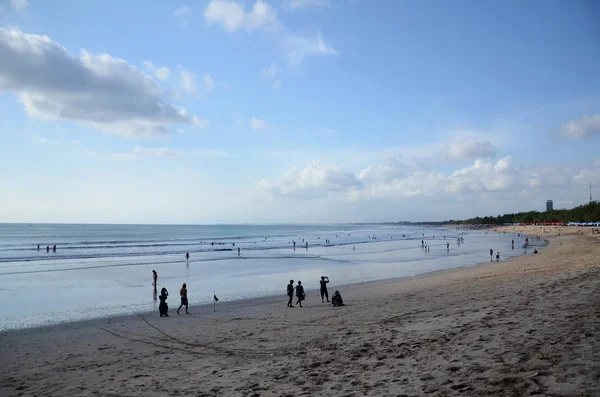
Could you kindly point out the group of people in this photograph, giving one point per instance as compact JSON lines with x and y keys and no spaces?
{"x":48,"y":248}
{"x":163,"y":308}
{"x":336,"y":298}
{"x":492,"y":254}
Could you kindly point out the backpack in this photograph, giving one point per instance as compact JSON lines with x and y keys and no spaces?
{"x":336,"y":299}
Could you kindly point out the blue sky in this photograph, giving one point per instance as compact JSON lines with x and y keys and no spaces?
{"x":295,"y":110}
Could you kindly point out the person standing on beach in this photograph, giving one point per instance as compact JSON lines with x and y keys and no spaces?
{"x":491,"y":254}
{"x":163,"y":308}
{"x":38,"y":247}
{"x":184,"y":299}
{"x":290,"y":293}
{"x":324,"y":293}
{"x":154,"y":277}
{"x":498,"y":256}
{"x":187,"y":257}
{"x":47,"y":248}
{"x":300,"y":293}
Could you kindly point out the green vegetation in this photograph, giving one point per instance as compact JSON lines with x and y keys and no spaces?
{"x":584,"y":213}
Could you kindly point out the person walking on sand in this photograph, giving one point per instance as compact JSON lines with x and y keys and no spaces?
{"x":491,"y":254}
{"x":324,"y":294}
{"x":163,"y":308}
{"x":498,"y":256}
{"x":300,"y":293}
{"x":290,"y":293}
{"x":184,"y":299}
{"x":154,"y":277}
{"x":187,"y":256}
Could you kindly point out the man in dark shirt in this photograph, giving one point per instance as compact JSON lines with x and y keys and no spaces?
{"x":290,"y":292}
{"x":324,"y":293}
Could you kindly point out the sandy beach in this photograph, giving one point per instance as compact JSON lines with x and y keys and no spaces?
{"x":523,"y":327}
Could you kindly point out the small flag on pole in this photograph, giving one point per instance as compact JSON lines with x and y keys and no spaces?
{"x":215,"y":301}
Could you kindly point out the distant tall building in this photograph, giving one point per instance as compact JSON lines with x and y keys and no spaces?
{"x":549,"y":205}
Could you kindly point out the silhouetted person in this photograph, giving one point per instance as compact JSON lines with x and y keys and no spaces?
{"x":38,"y":247}
{"x":184,"y":299}
{"x":187,"y":256}
{"x":239,"y":251}
{"x":324,"y":293}
{"x":163,"y":308}
{"x":447,"y":246}
{"x":513,"y":244}
{"x":491,"y":254}
{"x":300,"y":293}
{"x":154,"y":277}
{"x":47,"y":248}
{"x":290,"y":293}
{"x":54,"y":248}
{"x":336,"y":299}
{"x":498,"y":256}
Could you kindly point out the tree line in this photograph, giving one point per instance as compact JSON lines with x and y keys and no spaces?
{"x":584,"y":213}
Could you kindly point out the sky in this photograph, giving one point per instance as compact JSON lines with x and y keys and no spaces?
{"x":296,"y":111}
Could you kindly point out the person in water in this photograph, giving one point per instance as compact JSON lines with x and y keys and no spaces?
{"x":324,"y":294}
{"x":447,"y":246}
{"x":154,"y":277}
{"x":184,"y":299}
{"x":290,"y":293}
{"x":187,"y":256}
{"x":498,"y":256}
{"x":47,"y":248}
{"x":491,"y":254}
{"x":239,"y":251}
{"x":300,"y":293}
{"x":38,"y":247}
{"x":54,"y":248}
{"x":163,"y":308}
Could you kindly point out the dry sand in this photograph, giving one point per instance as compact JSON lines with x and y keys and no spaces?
{"x":529,"y":326}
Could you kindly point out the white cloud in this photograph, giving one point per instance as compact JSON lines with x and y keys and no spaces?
{"x":394,"y":180}
{"x":468,"y":149}
{"x":271,"y":73}
{"x":187,"y":81}
{"x":19,"y":5}
{"x":122,"y":156}
{"x":164,"y":152}
{"x":315,"y":179}
{"x":162,"y":73}
{"x":182,"y":11}
{"x":97,"y":90}
{"x":209,"y":83}
{"x":297,"y":5}
{"x":232,"y":15}
{"x":258,"y":124}
{"x":299,"y":47}
{"x":582,"y":127}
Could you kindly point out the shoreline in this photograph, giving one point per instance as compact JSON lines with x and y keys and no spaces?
{"x":519,"y":327}
{"x":260,"y":300}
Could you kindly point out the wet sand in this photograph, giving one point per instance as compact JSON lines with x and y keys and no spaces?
{"x":524,"y":327}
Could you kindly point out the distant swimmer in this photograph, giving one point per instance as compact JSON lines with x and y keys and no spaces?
{"x":187,"y":256}
{"x":154,"y":277}
{"x":47,"y":248}
{"x":184,"y":299}
{"x":498,"y":256}
{"x":54,"y":248}
{"x":239,"y":251}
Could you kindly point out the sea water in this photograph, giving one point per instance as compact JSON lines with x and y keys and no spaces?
{"x":106,"y":270}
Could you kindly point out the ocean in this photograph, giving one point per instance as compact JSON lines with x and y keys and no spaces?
{"x":106,"y":270}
